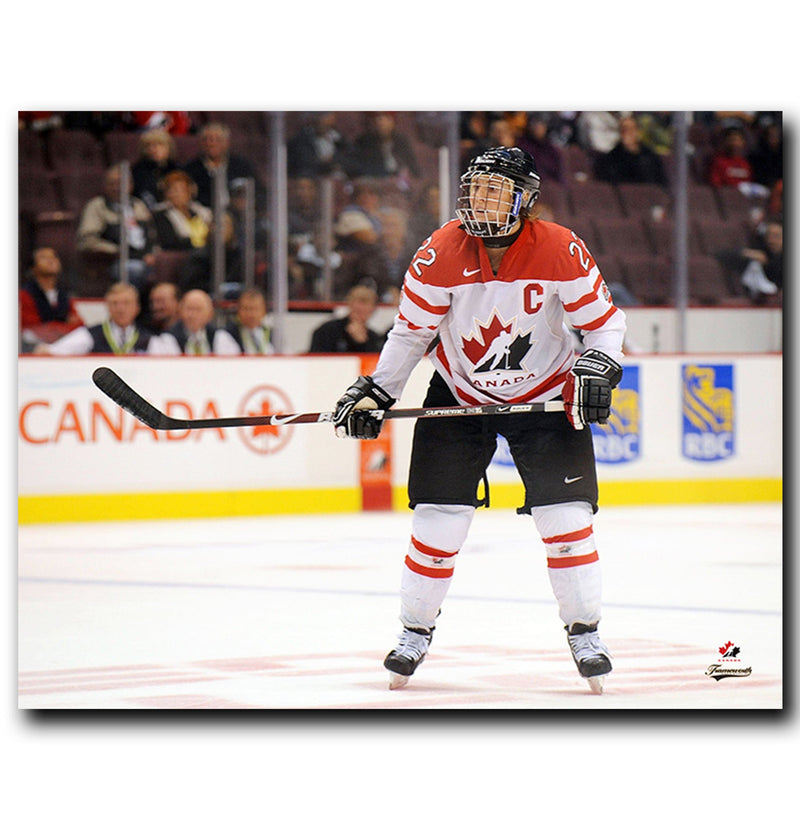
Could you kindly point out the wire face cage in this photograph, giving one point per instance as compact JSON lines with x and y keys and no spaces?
{"x":489,"y":204}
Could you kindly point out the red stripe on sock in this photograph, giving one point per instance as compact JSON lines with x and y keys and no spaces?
{"x":571,"y":560}
{"x":427,"y":550}
{"x":427,"y":572}
{"x":570,"y":537}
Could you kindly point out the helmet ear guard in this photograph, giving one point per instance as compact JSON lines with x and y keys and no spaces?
{"x":529,"y":198}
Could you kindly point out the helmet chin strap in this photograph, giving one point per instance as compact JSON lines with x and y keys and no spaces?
{"x":503,"y":241}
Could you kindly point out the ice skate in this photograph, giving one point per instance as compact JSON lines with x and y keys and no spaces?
{"x":402,"y":661}
{"x":591,"y":656}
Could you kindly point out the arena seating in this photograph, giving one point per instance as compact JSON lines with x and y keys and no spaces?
{"x":629,"y":227}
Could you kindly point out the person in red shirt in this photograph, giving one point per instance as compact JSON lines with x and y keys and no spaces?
{"x":46,"y":310}
{"x":730,"y":165}
{"x":487,"y":298}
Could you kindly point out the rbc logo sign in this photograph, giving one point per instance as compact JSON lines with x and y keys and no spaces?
{"x":708,"y":429}
{"x":618,"y":441}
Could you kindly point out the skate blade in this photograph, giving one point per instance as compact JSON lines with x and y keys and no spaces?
{"x":596,"y":683}
{"x":397,"y":681}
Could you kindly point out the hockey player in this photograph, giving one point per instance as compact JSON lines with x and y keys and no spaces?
{"x":486,"y":297}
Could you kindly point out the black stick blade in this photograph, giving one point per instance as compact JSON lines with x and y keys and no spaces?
{"x":119,"y":392}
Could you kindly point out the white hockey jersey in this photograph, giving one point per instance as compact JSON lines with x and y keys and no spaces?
{"x":500,"y":337}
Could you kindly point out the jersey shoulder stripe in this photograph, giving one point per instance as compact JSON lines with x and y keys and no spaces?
{"x":423,"y":304}
{"x":599,"y":322}
{"x":588,"y":298}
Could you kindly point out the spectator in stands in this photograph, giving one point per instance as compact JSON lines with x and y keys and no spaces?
{"x":766,"y":159}
{"x":398,"y":250}
{"x":100,"y":229}
{"x":46,"y":310}
{"x":381,"y":150}
{"x":185,"y":226}
{"x":177,"y":123}
{"x":757,"y":269}
{"x":163,"y":303}
{"x":156,"y":159}
{"x":350,"y":333}
{"x":97,"y":123}
{"x":518,"y":122}
{"x":306,"y":239}
{"x":562,"y":127}
{"x":473,"y":129}
{"x":657,"y":130}
{"x":536,"y":141}
{"x":249,"y":327}
{"x":317,"y":148}
{"x":303,"y":206}
{"x":363,"y":260}
{"x":597,"y":131}
{"x":775,"y":201}
{"x":366,"y":199}
{"x":195,"y":333}
{"x":629,"y":160}
{"x":216,"y":161}
{"x":763,"y":272}
{"x":426,"y":214}
{"x":119,"y":334}
{"x":304,"y":226}
{"x":40,"y":121}
{"x":501,"y":132}
{"x":473,"y":136}
{"x":729,"y":164}
{"x":181,"y":222}
{"x":236,"y":236}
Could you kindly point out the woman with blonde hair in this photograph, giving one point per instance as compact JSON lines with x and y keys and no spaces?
{"x":156,"y":159}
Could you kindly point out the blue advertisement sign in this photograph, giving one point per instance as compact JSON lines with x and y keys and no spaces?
{"x":618,"y":441}
{"x":708,"y":412}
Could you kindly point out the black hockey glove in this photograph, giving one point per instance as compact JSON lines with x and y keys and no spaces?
{"x":359,"y":412}
{"x":587,"y":393}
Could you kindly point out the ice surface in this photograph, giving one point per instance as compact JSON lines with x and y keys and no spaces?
{"x":298,"y":613}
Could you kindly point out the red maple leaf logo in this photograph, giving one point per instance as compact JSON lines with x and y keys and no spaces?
{"x":475,"y":346}
{"x":723,"y":649}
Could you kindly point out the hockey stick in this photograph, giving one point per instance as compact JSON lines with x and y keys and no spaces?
{"x":118,"y":391}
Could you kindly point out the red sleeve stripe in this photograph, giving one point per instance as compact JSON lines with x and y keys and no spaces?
{"x":570,"y":537}
{"x":568,"y":561}
{"x":427,"y":572}
{"x":411,"y":325}
{"x":593,"y":325}
{"x":584,"y":300}
{"x":437,"y":310}
{"x":428,"y":550}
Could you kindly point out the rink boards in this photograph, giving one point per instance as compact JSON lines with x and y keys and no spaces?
{"x":684,"y":429}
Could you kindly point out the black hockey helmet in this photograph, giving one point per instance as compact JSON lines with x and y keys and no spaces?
{"x":509,"y":183}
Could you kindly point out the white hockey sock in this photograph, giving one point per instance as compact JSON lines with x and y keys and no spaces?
{"x":573,"y":564}
{"x":437,"y":534}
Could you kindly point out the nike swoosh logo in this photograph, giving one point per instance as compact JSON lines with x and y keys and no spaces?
{"x":572,"y":480}
{"x":466,"y":272}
